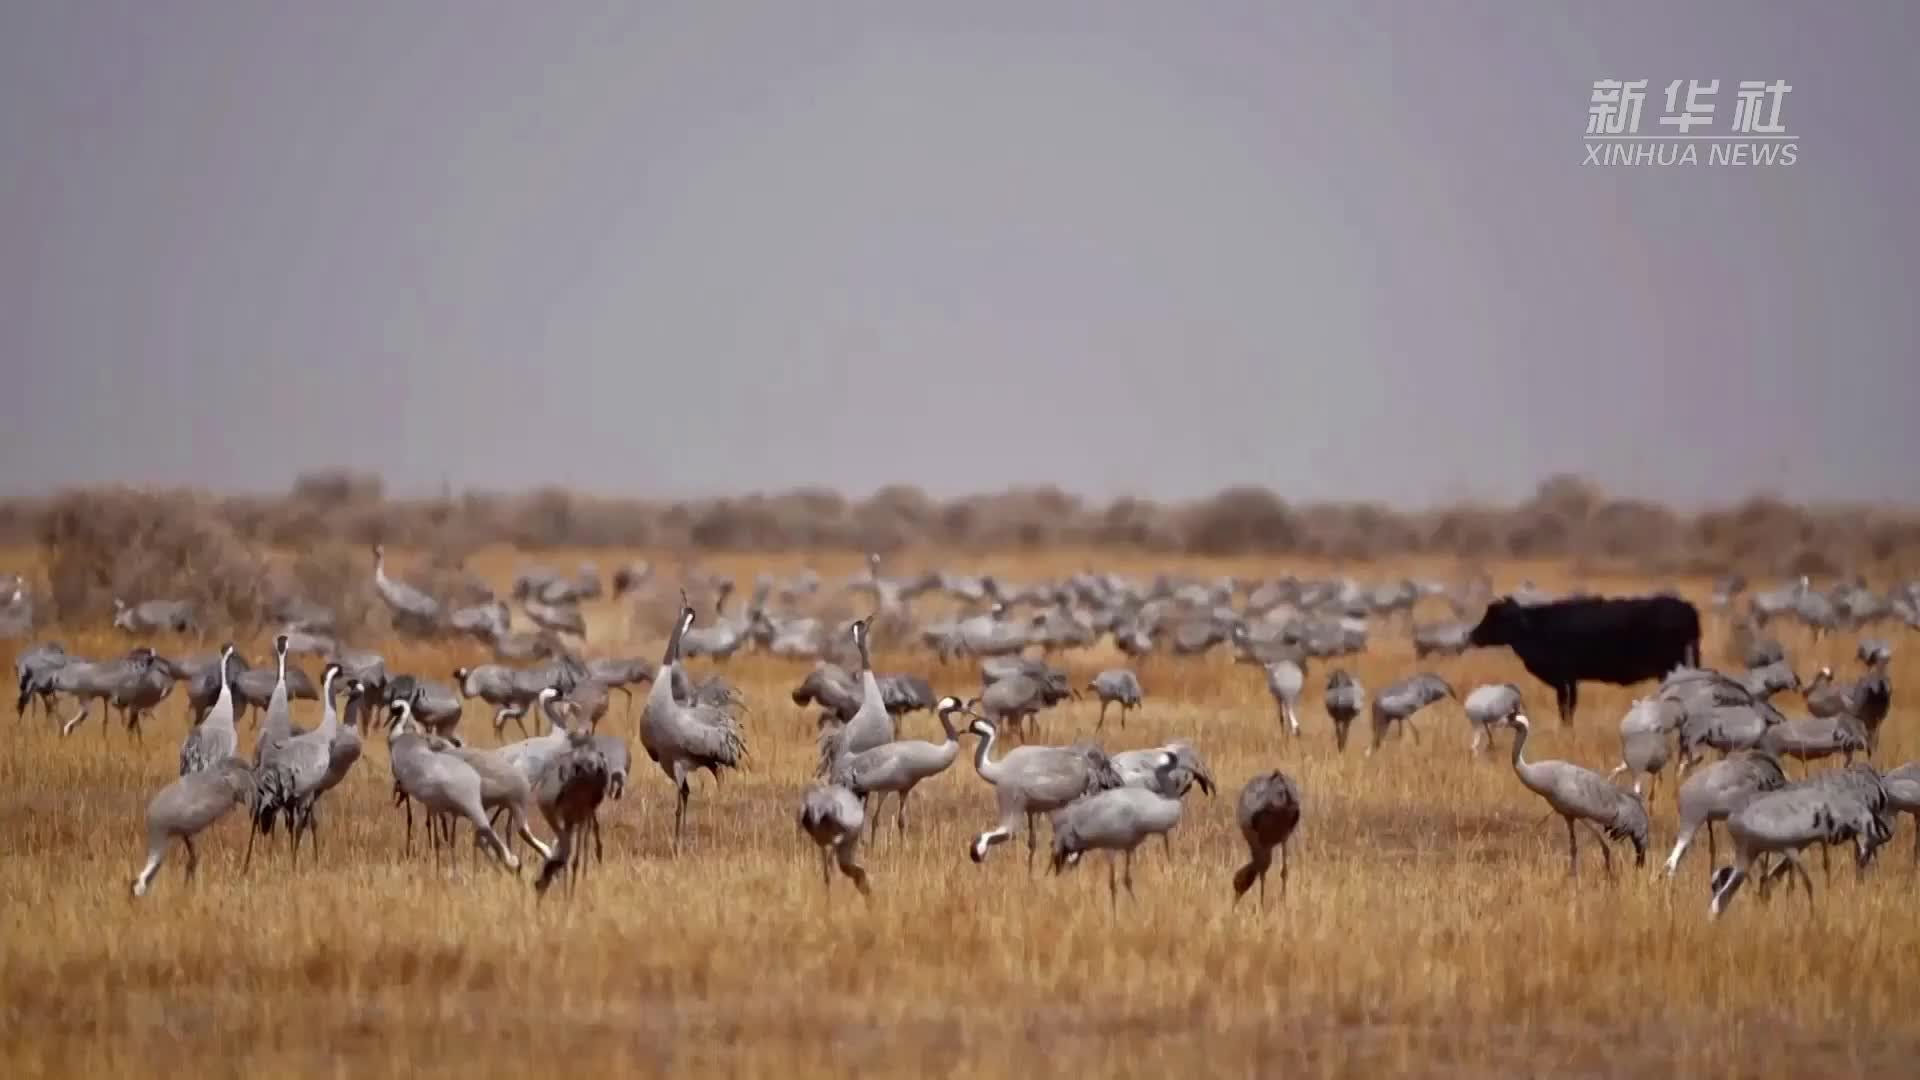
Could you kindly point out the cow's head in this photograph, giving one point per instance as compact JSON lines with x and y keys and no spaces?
{"x":1504,"y":623}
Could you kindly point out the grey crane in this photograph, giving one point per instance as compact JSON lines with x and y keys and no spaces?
{"x":290,"y":773}
{"x":899,"y":766}
{"x":484,"y":621}
{"x":1781,"y":823}
{"x":1116,"y":821}
{"x":557,"y":618}
{"x":1346,"y":698}
{"x":684,"y":738}
{"x":1034,"y":780}
{"x":569,"y":792}
{"x":1141,"y":768}
{"x":1489,"y":706}
{"x":1814,"y":737}
{"x":33,"y":671}
{"x":621,"y":673}
{"x":213,"y":739}
{"x":1902,"y":786}
{"x":1717,"y":790}
{"x":830,"y":687}
{"x":1769,"y":679}
{"x":1020,"y":697}
{"x":253,"y":688}
{"x":1116,"y":686}
{"x":436,"y":706}
{"x":499,"y":686}
{"x":278,"y":726}
{"x":153,"y":616}
{"x":1870,"y":697}
{"x":1268,"y":812}
{"x":1579,"y":794}
{"x":614,"y":750}
{"x":1441,"y":639}
{"x":141,"y":687}
{"x":871,"y":724}
{"x":186,"y":807}
{"x":16,"y":608}
{"x":1285,"y":680}
{"x":442,"y":783}
{"x":1824,"y":696}
{"x":724,"y":636}
{"x":832,"y":817}
{"x":89,"y":680}
{"x":413,"y":610}
{"x":1646,"y":733}
{"x":1398,"y":702}
{"x":342,"y":754}
{"x":1873,"y":652}
{"x":1861,"y":783}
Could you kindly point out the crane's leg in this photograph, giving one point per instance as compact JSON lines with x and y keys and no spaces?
{"x":1127,"y":876}
{"x":900,"y":817}
{"x":1713,"y":855}
{"x":1573,"y":850}
{"x":1166,"y":846}
{"x":1033,"y":839}
{"x":826,"y":870}
{"x":1113,"y":890}
{"x":1793,"y":860}
{"x":1102,"y":722}
{"x":679,"y":807}
{"x":1480,"y":739}
{"x":873,"y":819}
{"x":1340,"y":735}
{"x":156,"y":853}
{"x":1606,"y":854}
{"x":1826,"y":864}
{"x":1283,"y":870}
{"x":253,"y":830}
{"x":193,"y":857}
{"x":1680,"y":845}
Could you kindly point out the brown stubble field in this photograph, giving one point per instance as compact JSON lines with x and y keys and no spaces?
{"x":1430,"y":927}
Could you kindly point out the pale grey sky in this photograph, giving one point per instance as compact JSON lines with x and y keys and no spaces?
{"x":1344,"y":250}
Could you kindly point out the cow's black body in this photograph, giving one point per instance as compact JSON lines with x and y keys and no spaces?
{"x":1611,"y":640}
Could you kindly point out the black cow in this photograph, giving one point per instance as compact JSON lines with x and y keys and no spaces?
{"x":1594,"y":639}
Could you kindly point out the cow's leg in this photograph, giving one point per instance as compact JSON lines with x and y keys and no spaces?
{"x":1568,"y":696}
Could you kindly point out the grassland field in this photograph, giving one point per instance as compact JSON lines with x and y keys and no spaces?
{"x":1430,"y":928}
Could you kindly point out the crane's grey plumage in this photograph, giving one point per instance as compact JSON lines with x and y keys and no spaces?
{"x":188,"y":805}
{"x":832,"y":818}
{"x":412,"y":609}
{"x":1268,"y":812}
{"x":1811,"y":738}
{"x":1285,"y":680}
{"x":1781,"y":823}
{"x":1346,"y":699}
{"x":1902,"y":786}
{"x":684,"y":738}
{"x":1489,"y":706}
{"x":214,"y":738}
{"x":1717,"y":790}
{"x":1116,"y":821}
{"x":900,"y":766}
{"x":290,"y":773}
{"x":33,"y":671}
{"x":871,"y":724}
{"x":1581,"y":795}
{"x":1116,"y":686}
{"x":442,"y":783}
{"x":569,"y":792}
{"x":153,"y":616}
{"x":1398,"y":702}
{"x":1141,"y":768}
{"x":1646,"y":741}
{"x":1034,"y":780}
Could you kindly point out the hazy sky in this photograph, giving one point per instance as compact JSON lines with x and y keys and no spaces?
{"x":1149,"y":248}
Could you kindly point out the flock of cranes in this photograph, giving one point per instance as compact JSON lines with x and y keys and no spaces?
{"x":561,"y":775}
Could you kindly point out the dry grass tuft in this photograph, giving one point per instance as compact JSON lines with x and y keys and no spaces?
{"x":1430,"y":927}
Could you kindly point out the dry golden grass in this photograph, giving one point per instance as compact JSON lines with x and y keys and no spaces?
{"x":1430,"y":928}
